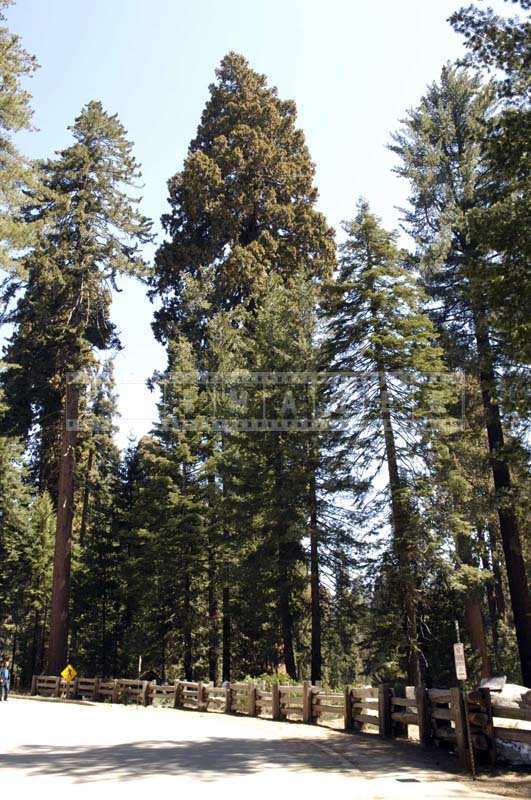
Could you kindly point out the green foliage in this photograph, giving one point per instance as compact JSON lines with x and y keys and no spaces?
{"x":16,"y":174}
{"x":215,"y":544}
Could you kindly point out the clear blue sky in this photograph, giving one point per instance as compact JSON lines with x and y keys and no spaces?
{"x":352,"y":66}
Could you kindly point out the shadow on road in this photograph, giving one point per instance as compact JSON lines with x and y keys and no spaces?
{"x":215,"y":757}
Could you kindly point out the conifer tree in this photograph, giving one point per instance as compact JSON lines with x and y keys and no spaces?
{"x":92,"y":234}
{"x":243,"y":205}
{"x":14,"y":518}
{"x":440,"y":150}
{"x":385,"y":345}
{"x":499,"y":47}
{"x":241,"y":209}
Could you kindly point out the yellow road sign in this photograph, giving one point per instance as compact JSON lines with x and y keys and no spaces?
{"x":69,"y":673}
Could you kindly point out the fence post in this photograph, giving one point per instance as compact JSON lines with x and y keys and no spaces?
{"x":251,"y":708}
{"x":200,"y":696}
{"x":58,"y":686}
{"x":422,"y":713}
{"x":145,"y":693}
{"x":384,"y":710}
{"x":275,"y":701}
{"x":114,"y":696}
{"x":458,"y":717}
{"x":347,"y":713}
{"x":96,"y":689}
{"x":307,"y":702}
{"x":177,"y":694}
{"x":228,"y":699}
{"x":489,"y":727}
{"x":33,"y":685}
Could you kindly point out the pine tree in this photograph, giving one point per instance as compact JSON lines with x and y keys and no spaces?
{"x":385,"y":346}
{"x":440,"y":149}
{"x":93,"y":231}
{"x":500,"y":47}
{"x":14,"y":516}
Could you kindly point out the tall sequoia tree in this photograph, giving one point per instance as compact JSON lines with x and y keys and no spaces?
{"x":242,"y":208}
{"x":91,"y":234}
{"x":440,"y":150}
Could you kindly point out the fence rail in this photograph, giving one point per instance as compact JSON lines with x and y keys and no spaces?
{"x":441,"y":715}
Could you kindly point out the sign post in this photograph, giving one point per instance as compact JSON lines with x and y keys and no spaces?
{"x":460,"y":671}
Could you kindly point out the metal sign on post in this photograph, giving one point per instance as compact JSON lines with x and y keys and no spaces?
{"x":460,"y":663}
{"x":69,"y":673}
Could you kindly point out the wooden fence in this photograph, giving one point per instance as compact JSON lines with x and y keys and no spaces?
{"x":444,"y":717}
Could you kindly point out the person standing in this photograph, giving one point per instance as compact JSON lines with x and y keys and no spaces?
{"x":4,"y":681}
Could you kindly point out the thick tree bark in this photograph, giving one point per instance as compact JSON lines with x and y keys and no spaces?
{"x":316,"y":666}
{"x":403,"y":544}
{"x":473,"y":611}
{"x":58,"y":649}
{"x":512,"y":547}
{"x":476,"y":627}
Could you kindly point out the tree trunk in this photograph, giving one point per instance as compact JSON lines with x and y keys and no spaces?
{"x":86,"y":496}
{"x":187,"y":626}
{"x":284,"y":603}
{"x":501,"y":605}
{"x":473,"y":611}
{"x":490,"y":596}
{"x":213,"y":636}
{"x":284,"y":558}
{"x":476,"y":627}
{"x":512,"y":547}
{"x":316,"y":667}
{"x":82,"y":537}
{"x":401,"y":517}
{"x":58,"y":649}
{"x":50,"y":442}
{"x":225,"y":602}
{"x":213,"y":617}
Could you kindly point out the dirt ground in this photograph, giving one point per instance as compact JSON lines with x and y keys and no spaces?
{"x":59,"y":749}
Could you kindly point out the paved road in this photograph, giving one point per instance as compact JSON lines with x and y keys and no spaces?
{"x":102,"y":751}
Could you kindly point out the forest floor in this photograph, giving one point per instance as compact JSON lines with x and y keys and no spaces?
{"x":57,"y":748}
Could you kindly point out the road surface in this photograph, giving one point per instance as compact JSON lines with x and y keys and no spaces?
{"x":58,"y":749}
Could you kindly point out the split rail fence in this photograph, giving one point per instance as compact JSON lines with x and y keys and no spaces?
{"x":461,"y":720}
